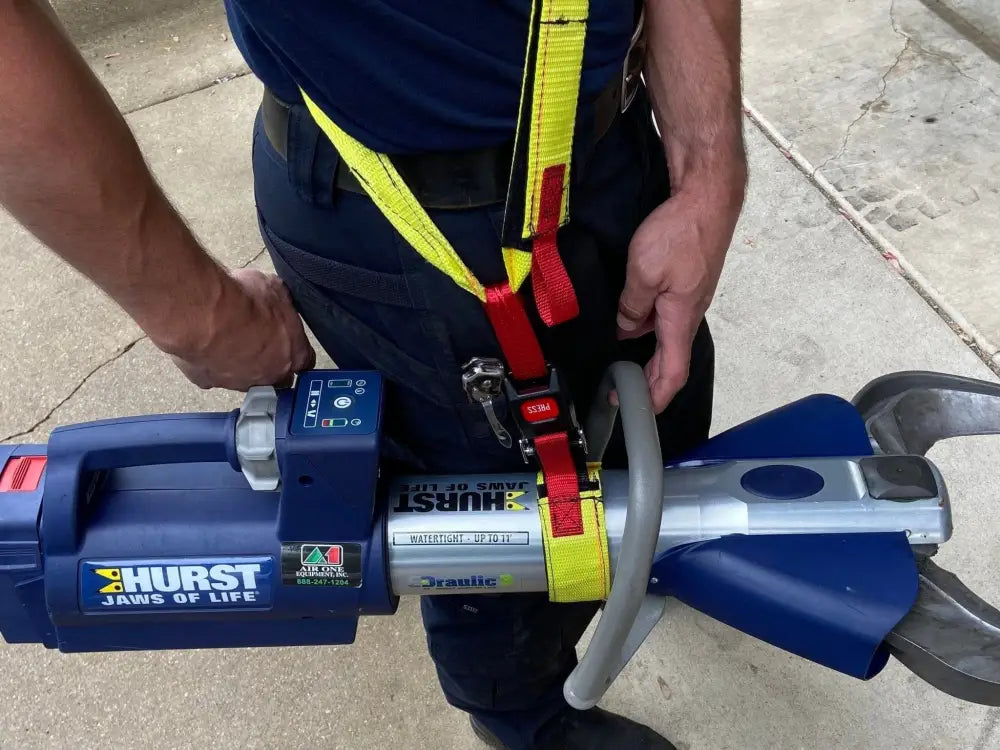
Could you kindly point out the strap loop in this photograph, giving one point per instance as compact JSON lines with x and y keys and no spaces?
{"x":554,"y":295}
{"x":577,"y":566}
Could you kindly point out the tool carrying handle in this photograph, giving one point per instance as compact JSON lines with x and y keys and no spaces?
{"x":76,"y":452}
{"x":607,"y":650}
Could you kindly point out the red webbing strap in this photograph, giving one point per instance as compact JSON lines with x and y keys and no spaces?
{"x":557,"y":303}
{"x":554,"y":295}
{"x":561,"y":483}
{"x":514,"y":332}
{"x":524,"y":358}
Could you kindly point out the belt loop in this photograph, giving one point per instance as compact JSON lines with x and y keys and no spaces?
{"x":324,"y":172}
{"x":312,"y":159}
{"x":302,"y":141}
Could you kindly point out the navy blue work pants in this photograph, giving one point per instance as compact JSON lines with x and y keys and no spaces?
{"x":373,"y":303}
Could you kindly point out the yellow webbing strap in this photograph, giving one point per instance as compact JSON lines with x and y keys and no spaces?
{"x":577,"y":567}
{"x":396,"y":201}
{"x":562,"y":32}
{"x":554,"y":91}
{"x":518,"y":265}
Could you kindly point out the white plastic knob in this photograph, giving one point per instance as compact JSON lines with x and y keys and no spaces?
{"x":255,"y":444}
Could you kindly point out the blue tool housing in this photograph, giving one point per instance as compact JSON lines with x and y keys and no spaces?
{"x":151,"y":516}
{"x":145,"y":534}
{"x":830,"y":598}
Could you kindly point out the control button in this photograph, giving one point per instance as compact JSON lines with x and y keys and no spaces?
{"x":361,"y":383}
{"x":335,"y":422}
{"x":342,"y":402}
{"x":355,"y":423}
{"x":359,"y":391}
{"x":540,"y":409}
{"x":782,"y":482}
{"x":899,"y":478}
{"x":314,"y":395}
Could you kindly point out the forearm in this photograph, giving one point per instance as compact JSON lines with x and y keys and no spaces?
{"x":692,"y":71}
{"x":71,"y":172}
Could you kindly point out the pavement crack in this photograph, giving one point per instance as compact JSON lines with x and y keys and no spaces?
{"x":867,"y":106}
{"x":83,"y":381}
{"x":254,"y":258}
{"x":980,"y":38}
{"x":171,"y":97}
{"x":925,"y":51}
{"x":955,"y":66}
{"x":113,"y":358}
{"x":908,"y":43}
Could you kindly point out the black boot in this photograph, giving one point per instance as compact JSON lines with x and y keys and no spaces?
{"x":595,"y":729}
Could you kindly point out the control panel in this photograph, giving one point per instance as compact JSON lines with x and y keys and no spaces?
{"x":336,"y":403}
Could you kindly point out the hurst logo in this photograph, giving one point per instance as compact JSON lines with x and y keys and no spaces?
{"x":170,"y":578}
{"x":459,"y":501}
{"x":166,"y":584}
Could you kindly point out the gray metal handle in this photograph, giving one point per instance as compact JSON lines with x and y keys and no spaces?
{"x":606,"y":652}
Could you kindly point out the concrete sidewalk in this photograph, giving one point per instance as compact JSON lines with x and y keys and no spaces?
{"x":893,"y":106}
{"x":153,"y":50}
{"x":807,"y":304}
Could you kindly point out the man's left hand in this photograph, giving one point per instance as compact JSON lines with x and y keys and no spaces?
{"x":674,"y":263}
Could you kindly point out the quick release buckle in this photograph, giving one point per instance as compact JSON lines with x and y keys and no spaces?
{"x":544,"y":408}
{"x":482,"y":379}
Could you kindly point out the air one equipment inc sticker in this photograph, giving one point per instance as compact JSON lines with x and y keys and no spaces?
{"x":321,"y":564}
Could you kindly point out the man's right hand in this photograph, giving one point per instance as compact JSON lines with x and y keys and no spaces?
{"x":248,"y":334}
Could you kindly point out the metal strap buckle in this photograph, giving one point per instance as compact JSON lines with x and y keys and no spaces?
{"x":634,"y":59}
{"x":482,"y":379}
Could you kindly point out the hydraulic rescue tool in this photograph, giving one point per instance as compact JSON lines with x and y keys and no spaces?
{"x":811,"y":527}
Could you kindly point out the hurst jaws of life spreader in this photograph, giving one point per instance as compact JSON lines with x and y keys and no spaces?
{"x":811,"y":527}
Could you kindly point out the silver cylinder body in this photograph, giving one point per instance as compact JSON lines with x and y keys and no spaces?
{"x":482,"y":534}
{"x":465,"y":533}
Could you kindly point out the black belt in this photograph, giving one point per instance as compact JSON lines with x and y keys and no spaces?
{"x":463,"y":179}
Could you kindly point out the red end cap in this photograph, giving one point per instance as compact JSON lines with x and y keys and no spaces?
{"x":540,"y":410}
{"x":22,"y":474}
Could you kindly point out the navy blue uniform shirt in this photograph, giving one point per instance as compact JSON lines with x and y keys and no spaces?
{"x":413,"y":75}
